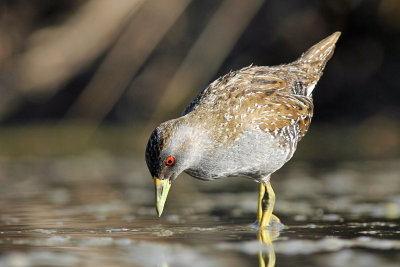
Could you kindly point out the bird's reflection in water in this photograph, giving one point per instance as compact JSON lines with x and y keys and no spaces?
{"x":266,"y":255}
{"x":266,"y":258}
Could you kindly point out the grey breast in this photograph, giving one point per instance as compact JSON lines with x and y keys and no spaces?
{"x":256,"y":154}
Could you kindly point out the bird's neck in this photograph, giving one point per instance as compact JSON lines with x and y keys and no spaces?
{"x":191,"y":141}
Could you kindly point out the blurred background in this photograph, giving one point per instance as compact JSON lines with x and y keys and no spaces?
{"x":84,"y":82}
{"x":84,"y":75}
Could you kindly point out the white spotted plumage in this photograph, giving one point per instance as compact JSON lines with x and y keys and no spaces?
{"x":248,"y":122}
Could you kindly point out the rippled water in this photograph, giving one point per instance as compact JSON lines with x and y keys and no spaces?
{"x":98,"y":210}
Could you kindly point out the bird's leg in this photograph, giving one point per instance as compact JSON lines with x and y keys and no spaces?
{"x":266,"y":201}
{"x":269,"y":202}
{"x":261,"y":194}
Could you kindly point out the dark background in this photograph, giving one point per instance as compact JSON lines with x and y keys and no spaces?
{"x":139,"y":74}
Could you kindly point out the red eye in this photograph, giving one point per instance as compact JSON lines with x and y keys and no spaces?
{"x":170,"y":161}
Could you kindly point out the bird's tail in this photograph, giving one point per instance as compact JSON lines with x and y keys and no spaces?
{"x":314,"y":60}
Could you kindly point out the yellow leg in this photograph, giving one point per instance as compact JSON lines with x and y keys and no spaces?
{"x":261,"y":193}
{"x":269,"y":206}
{"x":266,"y":202}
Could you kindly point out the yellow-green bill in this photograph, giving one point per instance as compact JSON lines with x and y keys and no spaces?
{"x":162,"y":188}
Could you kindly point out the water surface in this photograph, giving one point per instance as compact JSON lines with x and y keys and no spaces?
{"x":98,"y":210}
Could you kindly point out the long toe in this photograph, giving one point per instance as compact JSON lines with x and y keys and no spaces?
{"x":275,"y":226}
{"x":274,"y":220}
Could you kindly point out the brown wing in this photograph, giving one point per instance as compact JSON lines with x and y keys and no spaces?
{"x":268,"y":99}
{"x":235,"y":85}
{"x":259,"y":97}
{"x":279,"y":111}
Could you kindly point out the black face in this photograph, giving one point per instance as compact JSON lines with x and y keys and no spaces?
{"x":153,"y":151}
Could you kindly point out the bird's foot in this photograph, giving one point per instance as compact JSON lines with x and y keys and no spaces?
{"x":274,"y":223}
{"x":274,"y":220}
{"x":272,"y":230}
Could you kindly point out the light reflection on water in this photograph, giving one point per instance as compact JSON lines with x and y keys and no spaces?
{"x":99,"y":211}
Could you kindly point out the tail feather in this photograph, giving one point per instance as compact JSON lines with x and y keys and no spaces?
{"x":314,"y":60}
{"x":320,"y":52}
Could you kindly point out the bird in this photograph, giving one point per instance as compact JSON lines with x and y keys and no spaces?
{"x":246,"y":123}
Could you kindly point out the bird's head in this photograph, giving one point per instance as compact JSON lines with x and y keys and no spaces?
{"x":169,"y":152}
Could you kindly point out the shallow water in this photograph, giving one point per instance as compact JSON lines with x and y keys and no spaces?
{"x":98,"y":210}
